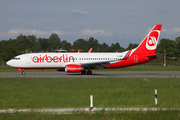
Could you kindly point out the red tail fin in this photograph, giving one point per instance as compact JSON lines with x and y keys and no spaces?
{"x":149,"y":44}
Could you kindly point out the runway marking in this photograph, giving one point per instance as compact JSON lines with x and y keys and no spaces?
{"x":77,"y":110}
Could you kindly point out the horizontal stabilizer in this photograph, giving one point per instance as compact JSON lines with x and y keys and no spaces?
{"x":151,"y":56}
{"x":155,"y":55}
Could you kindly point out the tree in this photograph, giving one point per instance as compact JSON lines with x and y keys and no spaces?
{"x":36,"y":47}
{"x":80,"y":44}
{"x":65,"y":45}
{"x":131,"y":45}
{"x":177,"y":40}
{"x":169,"y":46}
{"x":54,"y":41}
{"x":104,"y":47}
{"x":111,"y":48}
{"x":44,"y":43}
{"x":12,"y":50}
{"x":32,"y":39}
{"x":3,"y":49}
{"x":94,"y":44}
{"x":118,"y":48}
{"x":8,"y":50}
{"x":23,"y":43}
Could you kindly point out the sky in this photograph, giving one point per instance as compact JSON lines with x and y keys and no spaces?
{"x":109,"y":21}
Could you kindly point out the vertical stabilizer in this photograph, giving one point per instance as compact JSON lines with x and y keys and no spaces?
{"x":149,"y":44}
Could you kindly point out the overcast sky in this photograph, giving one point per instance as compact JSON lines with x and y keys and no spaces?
{"x":110,"y":21}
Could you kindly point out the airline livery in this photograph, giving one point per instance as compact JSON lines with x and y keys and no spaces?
{"x":84,"y":62}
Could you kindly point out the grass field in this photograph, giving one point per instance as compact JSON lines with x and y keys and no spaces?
{"x":75,"y":92}
{"x":107,"y":92}
{"x":6,"y":68}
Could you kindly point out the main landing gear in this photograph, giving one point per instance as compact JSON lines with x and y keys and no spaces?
{"x":88,"y":72}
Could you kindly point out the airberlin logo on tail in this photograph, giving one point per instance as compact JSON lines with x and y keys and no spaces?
{"x":152,"y":39}
{"x":55,"y":59}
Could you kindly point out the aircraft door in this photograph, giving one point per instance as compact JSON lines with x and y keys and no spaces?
{"x":135,"y":59}
{"x":28,"y":59}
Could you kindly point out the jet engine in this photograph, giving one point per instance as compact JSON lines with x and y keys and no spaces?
{"x":73,"y":68}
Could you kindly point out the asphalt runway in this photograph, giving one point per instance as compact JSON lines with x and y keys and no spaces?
{"x":120,"y":74}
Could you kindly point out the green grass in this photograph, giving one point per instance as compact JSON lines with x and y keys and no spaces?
{"x":149,"y":115}
{"x":75,"y":92}
{"x":5,"y":68}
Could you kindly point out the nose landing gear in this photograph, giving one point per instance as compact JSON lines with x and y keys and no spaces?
{"x":20,"y":69}
{"x":23,"y":73}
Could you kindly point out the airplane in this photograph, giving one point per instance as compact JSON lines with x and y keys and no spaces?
{"x":84,"y":62}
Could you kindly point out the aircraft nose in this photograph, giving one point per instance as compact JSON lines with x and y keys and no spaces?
{"x":9,"y":63}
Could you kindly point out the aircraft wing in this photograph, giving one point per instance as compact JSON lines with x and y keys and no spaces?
{"x":98,"y":65}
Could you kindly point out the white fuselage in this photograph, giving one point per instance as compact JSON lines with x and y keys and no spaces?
{"x":59,"y":60}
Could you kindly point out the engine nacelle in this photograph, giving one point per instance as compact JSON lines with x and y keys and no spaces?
{"x":73,"y":68}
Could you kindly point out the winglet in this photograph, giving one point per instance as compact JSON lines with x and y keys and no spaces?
{"x":127,"y":55}
{"x":90,"y":50}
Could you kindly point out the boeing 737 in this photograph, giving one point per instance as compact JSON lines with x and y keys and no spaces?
{"x":84,"y":62}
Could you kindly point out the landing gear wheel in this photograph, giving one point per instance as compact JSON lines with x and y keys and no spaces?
{"x":89,"y":72}
{"x":83,"y":72}
{"x":23,"y":73}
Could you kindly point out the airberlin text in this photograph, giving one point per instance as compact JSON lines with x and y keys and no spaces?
{"x":55,"y":59}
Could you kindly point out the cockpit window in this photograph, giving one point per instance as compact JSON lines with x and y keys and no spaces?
{"x":16,"y":58}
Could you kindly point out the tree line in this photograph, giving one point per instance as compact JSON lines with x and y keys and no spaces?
{"x":24,"y":44}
